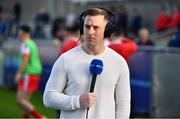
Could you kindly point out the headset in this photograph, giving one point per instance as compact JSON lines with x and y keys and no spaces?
{"x":112,"y":21}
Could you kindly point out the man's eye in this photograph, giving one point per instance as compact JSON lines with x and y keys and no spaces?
{"x":88,"y":27}
{"x":95,"y":27}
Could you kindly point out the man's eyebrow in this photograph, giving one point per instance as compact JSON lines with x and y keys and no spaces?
{"x":87,"y":25}
{"x":96,"y":26}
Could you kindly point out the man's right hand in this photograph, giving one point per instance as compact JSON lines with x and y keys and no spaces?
{"x":87,"y":100}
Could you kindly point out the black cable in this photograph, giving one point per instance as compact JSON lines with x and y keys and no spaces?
{"x":87,"y":113}
{"x":91,"y":90}
{"x":76,"y":42}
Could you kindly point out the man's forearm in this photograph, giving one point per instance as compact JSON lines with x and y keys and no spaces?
{"x":56,"y":100}
{"x":23,"y":65}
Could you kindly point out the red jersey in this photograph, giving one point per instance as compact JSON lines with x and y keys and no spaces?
{"x":69,"y":44}
{"x":126,"y":47}
{"x":175,"y":20}
{"x":162,"y":21}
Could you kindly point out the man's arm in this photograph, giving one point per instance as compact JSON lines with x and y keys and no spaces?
{"x":24,"y":63}
{"x":25,"y":52}
{"x":122,"y":93}
{"x":53,"y":96}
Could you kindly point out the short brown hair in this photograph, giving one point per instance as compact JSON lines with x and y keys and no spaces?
{"x":25,"y":28}
{"x":96,"y":11}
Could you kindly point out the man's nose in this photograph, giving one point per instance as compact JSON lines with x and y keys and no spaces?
{"x":91,"y":31}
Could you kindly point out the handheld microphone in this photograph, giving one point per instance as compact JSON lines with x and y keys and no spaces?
{"x":96,"y":68}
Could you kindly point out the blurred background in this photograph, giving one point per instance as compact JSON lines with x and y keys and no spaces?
{"x":152,"y":25}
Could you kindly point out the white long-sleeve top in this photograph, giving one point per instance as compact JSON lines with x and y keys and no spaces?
{"x":70,"y":78}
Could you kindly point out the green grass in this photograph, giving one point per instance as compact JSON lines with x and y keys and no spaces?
{"x":10,"y":109}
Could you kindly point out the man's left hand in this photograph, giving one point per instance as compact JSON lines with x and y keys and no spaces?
{"x":18,"y":77}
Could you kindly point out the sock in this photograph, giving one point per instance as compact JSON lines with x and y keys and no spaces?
{"x":36,"y":114}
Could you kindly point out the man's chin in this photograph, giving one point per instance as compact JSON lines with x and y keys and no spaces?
{"x":91,"y":43}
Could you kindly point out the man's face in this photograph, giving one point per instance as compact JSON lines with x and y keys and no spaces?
{"x":144,"y":35}
{"x":94,"y":27}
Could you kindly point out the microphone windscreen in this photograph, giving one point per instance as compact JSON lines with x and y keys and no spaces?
{"x":96,"y":67}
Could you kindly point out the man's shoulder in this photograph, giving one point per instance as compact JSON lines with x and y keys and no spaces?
{"x":115,"y":59}
{"x":30,"y":42}
{"x":114,"y":54}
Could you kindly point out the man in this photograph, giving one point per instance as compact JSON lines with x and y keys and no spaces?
{"x":175,"y":18}
{"x":71,"y":39}
{"x":121,"y":44}
{"x":136,"y":21}
{"x":28,"y":74}
{"x":162,"y":20}
{"x":144,"y":38}
{"x":68,"y":86}
{"x":175,"y":39}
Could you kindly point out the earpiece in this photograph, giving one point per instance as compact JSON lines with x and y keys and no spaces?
{"x":112,"y":21}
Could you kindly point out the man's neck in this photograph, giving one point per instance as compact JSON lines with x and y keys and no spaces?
{"x":93,"y":50}
{"x":145,"y":41}
{"x":117,"y":39}
{"x":25,"y":38}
